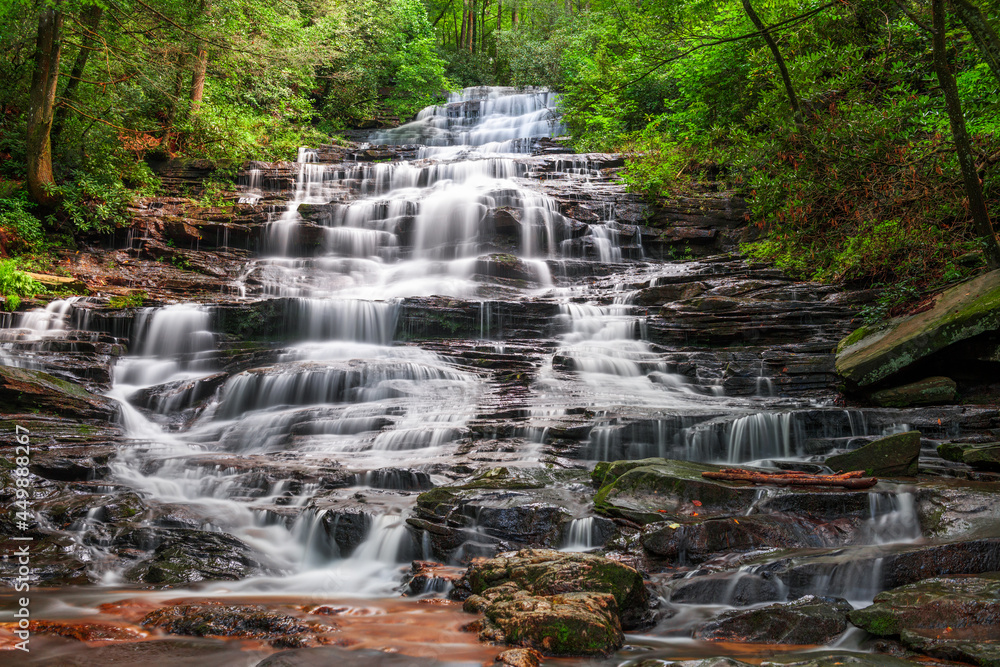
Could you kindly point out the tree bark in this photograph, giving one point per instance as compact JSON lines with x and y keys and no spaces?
{"x":963,"y":145}
{"x":793,"y":100}
{"x":200,"y":67}
{"x":982,"y":33}
{"x":91,"y":20}
{"x":44,"y":80}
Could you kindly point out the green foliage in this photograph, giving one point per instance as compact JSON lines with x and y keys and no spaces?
{"x":15,"y":285}
{"x":134,"y":299}
{"x":19,"y":225}
{"x":890,"y":299}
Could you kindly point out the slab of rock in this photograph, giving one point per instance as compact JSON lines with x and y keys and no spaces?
{"x":980,"y":646}
{"x":938,"y":603}
{"x":186,"y":556}
{"x":892,"y":455}
{"x":929,"y":391}
{"x":808,"y":620}
{"x":247,"y":621}
{"x":29,"y":391}
{"x":981,"y":456}
{"x":961,"y":312}
{"x":657,"y":489}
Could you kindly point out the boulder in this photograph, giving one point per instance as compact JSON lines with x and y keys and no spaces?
{"x":564,"y":624}
{"x":869,"y":356}
{"x":929,"y":391}
{"x":543,"y":572}
{"x":248,"y":621}
{"x":808,"y":620}
{"x":519,"y":657}
{"x":975,"y":647}
{"x":894,"y":454}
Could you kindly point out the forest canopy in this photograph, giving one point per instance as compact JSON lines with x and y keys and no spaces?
{"x":864,"y":135}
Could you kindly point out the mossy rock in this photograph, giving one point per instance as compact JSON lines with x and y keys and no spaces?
{"x":666,"y":489}
{"x":29,"y":391}
{"x":548,"y":572}
{"x":983,"y":457}
{"x":956,"y":601}
{"x":929,"y":391}
{"x":895,"y":454}
{"x":959,"y":313}
{"x":557,"y":625}
{"x":976,"y":648}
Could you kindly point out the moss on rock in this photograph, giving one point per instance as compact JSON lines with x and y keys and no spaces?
{"x":895,"y":454}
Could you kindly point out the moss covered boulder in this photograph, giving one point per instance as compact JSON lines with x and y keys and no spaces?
{"x":935,"y":606}
{"x":929,"y":391}
{"x":959,"y":313}
{"x":564,"y":624}
{"x":665,"y":489}
{"x":186,"y":556}
{"x":548,"y":572}
{"x":894,"y":454}
{"x":808,"y":620}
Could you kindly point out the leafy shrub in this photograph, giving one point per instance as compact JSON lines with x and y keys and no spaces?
{"x":14,"y":284}
{"x":134,"y":299}
{"x":20,"y":223}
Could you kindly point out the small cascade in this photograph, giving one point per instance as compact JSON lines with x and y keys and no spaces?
{"x":581,"y":535}
{"x":169,"y":343}
{"x":894,"y":518}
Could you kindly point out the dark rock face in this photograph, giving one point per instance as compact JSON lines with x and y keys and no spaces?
{"x":186,"y":556}
{"x":929,"y":391}
{"x":808,"y":620}
{"x":892,"y":455}
{"x":238,"y":621}
{"x":544,"y":572}
{"x":984,"y":456}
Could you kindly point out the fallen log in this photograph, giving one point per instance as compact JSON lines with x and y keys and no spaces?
{"x":847,"y":480}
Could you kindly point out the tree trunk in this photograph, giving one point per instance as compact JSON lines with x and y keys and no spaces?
{"x":200,"y":67}
{"x":472,"y":27}
{"x":465,"y":24}
{"x":793,"y":100}
{"x":982,"y":33}
{"x":91,"y":20}
{"x":963,"y":146}
{"x":44,"y":80}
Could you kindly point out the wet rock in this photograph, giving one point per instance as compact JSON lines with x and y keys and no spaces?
{"x":430,"y":577}
{"x":564,"y":624}
{"x":178,"y":396}
{"x":695,"y":541}
{"x":869,"y":356}
{"x":507,"y":267}
{"x":841,"y":659}
{"x":501,"y":507}
{"x":545,"y":572}
{"x":975,"y":646}
{"x":186,"y":556}
{"x":929,"y":391}
{"x":808,"y":620}
{"x":863,"y":567}
{"x":892,"y":455}
{"x":659,"y":489}
{"x":239,"y":620}
{"x":984,"y":456}
{"x":938,"y":603}
{"x":519,"y":657}
{"x":29,"y":391}
{"x":734,"y":589}
{"x":88,"y":632}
